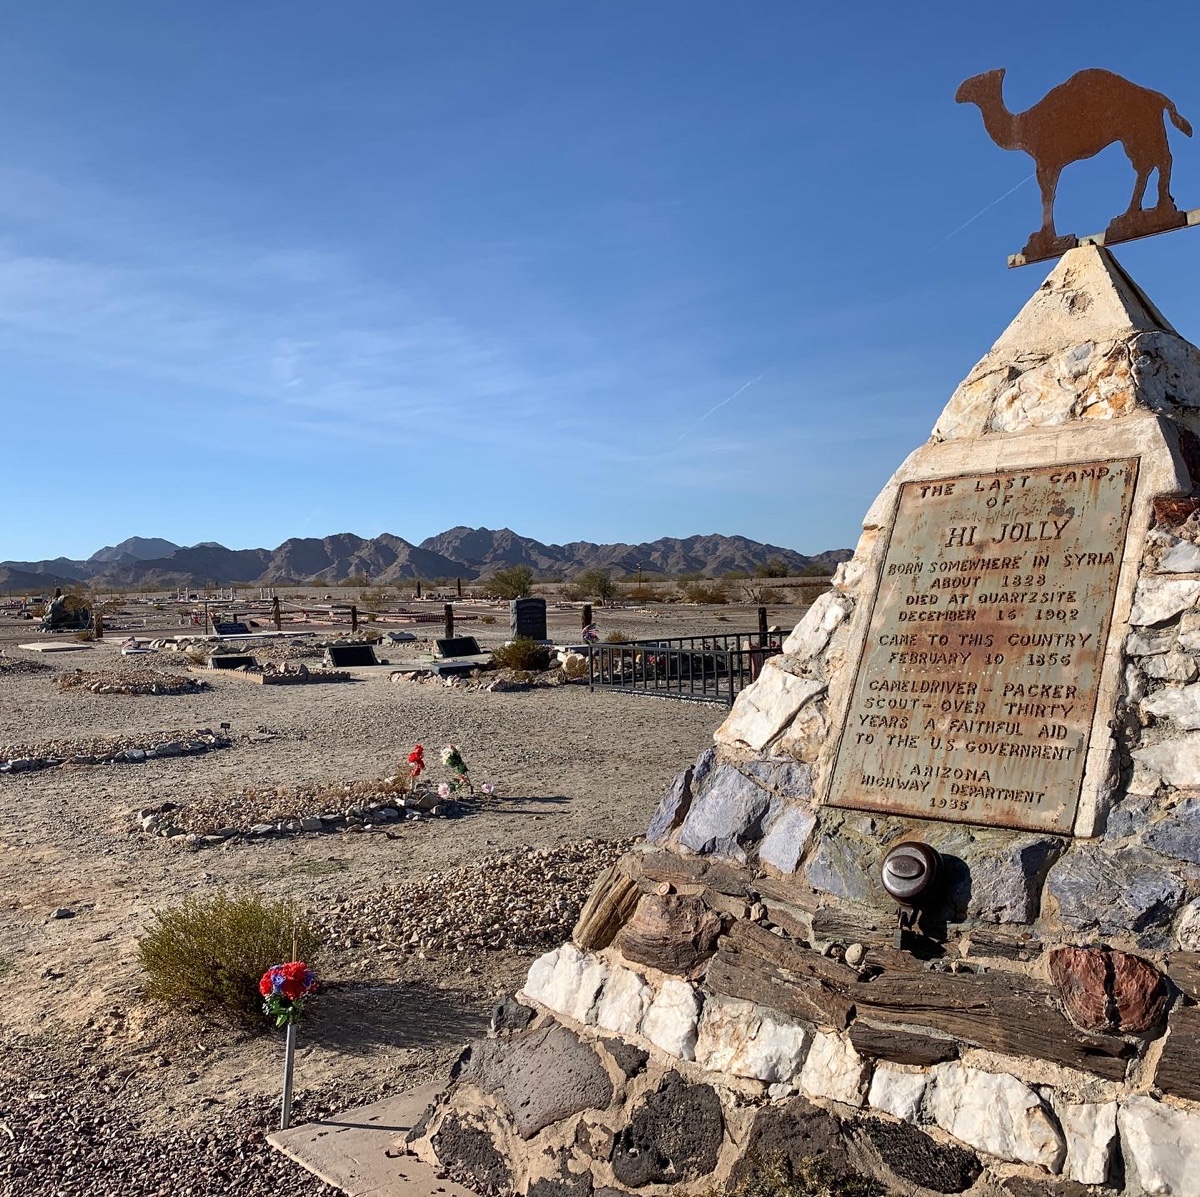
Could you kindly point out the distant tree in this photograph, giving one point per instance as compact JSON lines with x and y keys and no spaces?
{"x":516,"y":581}
{"x":814,"y":571}
{"x":356,"y":580}
{"x":776,"y":567}
{"x":599,"y":583}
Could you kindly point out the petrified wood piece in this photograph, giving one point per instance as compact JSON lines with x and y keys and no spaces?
{"x":1184,"y":969}
{"x":1000,"y":1012}
{"x":983,"y":943}
{"x":1106,"y":990}
{"x":1179,"y":1068}
{"x":698,"y":870}
{"x":781,"y":975}
{"x":672,"y":933}
{"x":902,"y":1047}
{"x":611,"y":903}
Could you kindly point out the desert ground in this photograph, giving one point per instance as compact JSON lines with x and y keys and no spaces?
{"x":426,"y":922}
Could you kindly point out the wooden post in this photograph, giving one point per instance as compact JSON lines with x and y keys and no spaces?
{"x":449,"y":621}
{"x":353,"y":617}
{"x":276,"y":613}
{"x":762,"y":627}
{"x":98,"y":625}
{"x":458,"y":583}
{"x":418,"y":588}
{"x":586,"y":618}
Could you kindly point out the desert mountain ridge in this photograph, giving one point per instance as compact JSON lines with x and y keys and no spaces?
{"x":468,"y":553}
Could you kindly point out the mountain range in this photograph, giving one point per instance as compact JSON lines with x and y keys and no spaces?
{"x":468,"y":553}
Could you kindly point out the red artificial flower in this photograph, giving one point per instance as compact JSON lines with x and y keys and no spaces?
{"x":265,"y":986}
{"x":416,"y":758}
{"x":294,"y":977}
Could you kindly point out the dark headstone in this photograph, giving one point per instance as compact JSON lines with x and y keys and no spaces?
{"x":458,"y":646}
{"x":343,"y":656}
{"x":914,"y":1156}
{"x":230,"y":627}
{"x":232,"y":661}
{"x":527,"y":617}
{"x":673,"y":1135}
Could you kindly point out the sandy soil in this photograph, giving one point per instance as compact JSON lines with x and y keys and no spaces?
{"x":570,"y":765}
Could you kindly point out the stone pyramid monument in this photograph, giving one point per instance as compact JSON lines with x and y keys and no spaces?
{"x":926,"y":918}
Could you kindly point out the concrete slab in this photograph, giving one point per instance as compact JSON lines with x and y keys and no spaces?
{"x":56,"y":646}
{"x":361,"y":1153}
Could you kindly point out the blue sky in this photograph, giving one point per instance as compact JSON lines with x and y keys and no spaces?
{"x":591,"y":271}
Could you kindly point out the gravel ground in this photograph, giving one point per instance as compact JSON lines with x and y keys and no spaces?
{"x":191,"y":1098}
{"x":137,"y":681}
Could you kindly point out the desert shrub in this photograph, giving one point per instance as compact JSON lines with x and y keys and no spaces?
{"x":706,"y":592}
{"x":812,"y":1176}
{"x":616,"y":636}
{"x":359,"y":580}
{"x":574,"y":593}
{"x":86,"y":636}
{"x":646,"y":592}
{"x":211,"y":951}
{"x":512,"y":583}
{"x":374,"y":598}
{"x":776,"y":567}
{"x":597,"y":582}
{"x":487,"y":619}
{"x":522,"y":653}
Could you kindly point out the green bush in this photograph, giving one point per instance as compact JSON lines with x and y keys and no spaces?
{"x":512,"y":583}
{"x":212,"y":951}
{"x":522,"y":653}
{"x":775,"y":568}
{"x":706,"y":592}
{"x":598,"y":582}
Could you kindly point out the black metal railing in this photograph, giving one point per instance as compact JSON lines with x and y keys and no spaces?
{"x":699,"y":668}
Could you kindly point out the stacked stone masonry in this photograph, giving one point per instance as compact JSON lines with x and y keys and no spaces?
{"x":736,"y":987}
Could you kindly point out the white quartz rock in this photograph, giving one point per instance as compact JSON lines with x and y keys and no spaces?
{"x":747,"y":1040}
{"x":1090,"y":1129}
{"x":1158,"y":599}
{"x":810,"y":636}
{"x":1181,"y":703}
{"x":1176,"y":761}
{"x":998,"y":1114}
{"x":1187,"y":928}
{"x":568,"y":981}
{"x":834,"y":1069}
{"x":1182,"y":558}
{"x":1162,"y":1145}
{"x":764,"y":709}
{"x":1171,"y":667}
{"x":897,"y":1091}
{"x":670,"y":1023}
{"x":623,"y":1002}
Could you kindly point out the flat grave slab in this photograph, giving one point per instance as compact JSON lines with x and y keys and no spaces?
{"x":346,"y":656}
{"x":359,"y":1151}
{"x":73,"y":646}
{"x":459,"y":646}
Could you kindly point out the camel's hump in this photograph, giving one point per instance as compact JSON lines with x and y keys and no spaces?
{"x":1095,"y":84}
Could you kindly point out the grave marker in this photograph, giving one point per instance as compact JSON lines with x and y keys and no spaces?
{"x":527,"y":617}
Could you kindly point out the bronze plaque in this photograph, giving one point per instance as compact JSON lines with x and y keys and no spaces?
{"x":976,"y":687}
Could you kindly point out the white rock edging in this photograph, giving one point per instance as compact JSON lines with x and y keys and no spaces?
{"x":1162,"y":1145}
{"x":747,"y":1040}
{"x":834,"y":1069}
{"x":670,"y":1023}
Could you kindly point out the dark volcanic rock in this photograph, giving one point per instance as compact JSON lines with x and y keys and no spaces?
{"x":565,"y":1184}
{"x":542,"y":1077}
{"x":673,"y":1135}
{"x":467,"y":1150}
{"x":630,"y":1059}
{"x":914,"y":1156}
{"x":510,"y":1017}
{"x":1178,"y":834}
{"x":795,"y":1133}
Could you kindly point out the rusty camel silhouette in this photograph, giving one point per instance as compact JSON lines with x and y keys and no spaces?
{"x":1076,"y":120}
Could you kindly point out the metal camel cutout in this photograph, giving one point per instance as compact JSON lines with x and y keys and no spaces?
{"x":1076,"y":120}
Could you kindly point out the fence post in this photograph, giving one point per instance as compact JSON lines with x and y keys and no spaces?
{"x":418,"y":588}
{"x":458,"y":583}
{"x":353,"y":617}
{"x":449,"y":611}
{"x":762,"y":627}
{"x":276,"y":613}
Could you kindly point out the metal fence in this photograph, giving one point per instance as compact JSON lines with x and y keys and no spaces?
{"x":697,"y":668}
